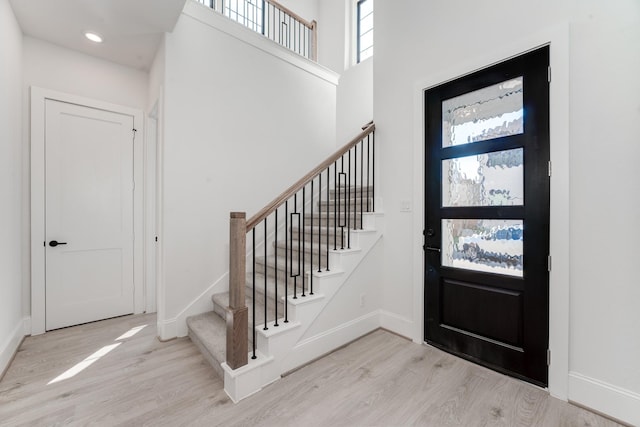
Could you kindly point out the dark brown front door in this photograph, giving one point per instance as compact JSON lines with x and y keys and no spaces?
{"x":487,"y":216}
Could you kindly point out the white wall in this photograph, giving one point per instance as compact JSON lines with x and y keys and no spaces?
{"x":240,"y":126}
{"x":56,"y":68}
{"x":419,"y":42}
{"x":335,"y":51}
{"x":11,"y":329}
{"x":355,"y":101}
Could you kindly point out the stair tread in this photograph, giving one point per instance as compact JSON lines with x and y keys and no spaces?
{"x":210,"y":331}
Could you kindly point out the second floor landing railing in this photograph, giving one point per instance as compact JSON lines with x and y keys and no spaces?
{"x":272,"y":20}
{"x":290,"y":239}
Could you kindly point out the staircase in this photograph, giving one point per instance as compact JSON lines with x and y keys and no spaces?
{"x":296,"y":265}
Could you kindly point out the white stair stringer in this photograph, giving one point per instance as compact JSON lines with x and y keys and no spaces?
{"x":284,"y":348}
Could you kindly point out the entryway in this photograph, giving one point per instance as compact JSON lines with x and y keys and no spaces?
{"x":86,"y":216}
{"x":487,"y":216}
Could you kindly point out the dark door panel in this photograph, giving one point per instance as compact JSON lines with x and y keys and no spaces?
{"x":487,"y":216}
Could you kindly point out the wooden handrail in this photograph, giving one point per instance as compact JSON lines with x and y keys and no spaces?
{"x":290,"y":12}
{"x":286,"y":195}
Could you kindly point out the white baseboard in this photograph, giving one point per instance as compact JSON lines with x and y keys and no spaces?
{"x":10,"y":346}
{"x":397,"y":324}
{"x":177,"y":326}
{"x":318,"y":345}
{"x":616,"y":402}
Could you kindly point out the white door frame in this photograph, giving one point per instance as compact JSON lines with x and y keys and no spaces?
{"x":38,"y":98}
{"x":558,"y":39}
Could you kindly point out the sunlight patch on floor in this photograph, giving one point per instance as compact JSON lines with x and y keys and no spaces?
{"x":79,"y":367}
{"x":131,"y":332}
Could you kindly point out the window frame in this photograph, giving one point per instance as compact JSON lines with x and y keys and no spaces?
{"x":357,"y":4}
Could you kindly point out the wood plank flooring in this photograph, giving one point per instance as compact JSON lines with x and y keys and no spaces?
{"x":379,"y":380}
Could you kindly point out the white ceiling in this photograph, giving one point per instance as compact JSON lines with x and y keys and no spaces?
{"x":131,"y":29}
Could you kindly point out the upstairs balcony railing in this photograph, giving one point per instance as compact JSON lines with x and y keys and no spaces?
{"x":272,"y":20}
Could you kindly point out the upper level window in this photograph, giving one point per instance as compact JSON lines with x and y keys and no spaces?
{"x":365,"y":29}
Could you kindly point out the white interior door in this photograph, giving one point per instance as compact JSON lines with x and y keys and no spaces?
{"x":89,"y":212}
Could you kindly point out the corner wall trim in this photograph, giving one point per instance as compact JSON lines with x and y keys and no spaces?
{"x":10,"y":347}
{"x":177,"y":326}
{"x":604,"y":398}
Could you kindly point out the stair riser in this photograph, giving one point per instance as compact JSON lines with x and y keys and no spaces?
{"x":307,"y":251}
{"x":271,"y":271}
{"x":220,"y":309}
{"x":340,"y":219}
{"x":356,"y":193}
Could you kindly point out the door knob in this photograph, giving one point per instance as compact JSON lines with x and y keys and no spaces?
{"x":55,"y":243}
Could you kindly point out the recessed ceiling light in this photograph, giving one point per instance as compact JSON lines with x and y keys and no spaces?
{"x":93,"y":37}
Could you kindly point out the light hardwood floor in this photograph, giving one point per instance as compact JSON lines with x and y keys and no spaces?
{"x":380,"y":380}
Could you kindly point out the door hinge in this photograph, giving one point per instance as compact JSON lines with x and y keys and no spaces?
{"x":549,"y":73}
{"x":549,"y":262}
{"x":549,"y":168}
{"x":548,"y":357}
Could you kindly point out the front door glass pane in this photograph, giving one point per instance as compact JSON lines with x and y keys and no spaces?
{"x":488,"y":113}
{"x":487,"y":179}
{"x":487,"y":245}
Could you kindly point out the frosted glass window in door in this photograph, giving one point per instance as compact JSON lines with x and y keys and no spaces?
{"x":491,"y":112}
{"x":487,"y":245}
{"x":487,"y":179}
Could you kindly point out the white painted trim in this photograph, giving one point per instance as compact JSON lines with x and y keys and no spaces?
{"x":558,"y":38}
{"x":177,"y":326}
{"x":397,"y":324}
{"x":38,"y":97}
{"x":10,"y":346}
{"x":150,"y":152}
{"x":605,"y":398}
{"x":160,"y":283}
{"x":320,"y":344}
{"x":205,"y":15}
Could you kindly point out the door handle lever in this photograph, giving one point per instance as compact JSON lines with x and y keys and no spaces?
{"x":55,"y":243}
{"x":429,"y":248}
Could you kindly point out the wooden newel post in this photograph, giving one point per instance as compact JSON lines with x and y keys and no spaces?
{"x":238,"y":313}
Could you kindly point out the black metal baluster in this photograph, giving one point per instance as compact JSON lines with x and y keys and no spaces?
{"x":368,"y":170}
{"x":266,"y":274}
{"x":304,"y":239}
{"x":348,"y":204}
{"x":304,"y":44}
{"x":289,"y":46}
{"x":275,"y":258}
{"x":335,"y":205}
{"x":287,"y":261}
{"x":253,"y":303}
{"x":300,"y":48}
{"x":355,"y":187}
{"x":373,"y":172}
{"x":295,"y":277}
{"x":341,"y":203}
{"x":328,"y":191}
{"x":361,"y":184}
{"x":319,"y":222}
{"x":263,"y":21}
{"x":311,"y":254}
{"x":342,"y":207}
